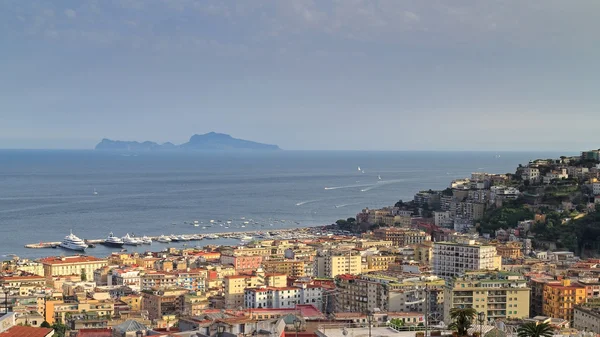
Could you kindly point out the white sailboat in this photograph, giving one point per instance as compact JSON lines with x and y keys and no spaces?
{"x":379,"y":177}
{"x":95,"y":192}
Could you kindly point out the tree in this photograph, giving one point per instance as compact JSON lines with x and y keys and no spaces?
{"x":59,"y":329}
{"x":397,"y":322}
{"x":533,"y":329}
{"x":462,"y":319}
{"x":45,"y":324}
{"x":83,"y":275}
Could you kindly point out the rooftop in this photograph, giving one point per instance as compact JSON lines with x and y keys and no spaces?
{"x":26,"y":331}
{"x":70,"y":259}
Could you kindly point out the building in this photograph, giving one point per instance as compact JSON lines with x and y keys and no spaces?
{"x":333,"y":264}
{"x":25,"y":283}
{"x":510,"y":250}
{"x":452,"y":259}
{"x":283,"y":297}
{"x":163,"y":302}
{"x":379,"y":262}
{"x":530,"y":173}
{"x":292,"y":268}
{"x":500,"y":295}
{"x":586,"y":318}
{"x":442,"y":218}
{"x":537,"y":284}
{"x":560,"y":299}
{"x":59,"y":310}
{"x":242,"y":263}
{"x":401,"y":236}
{"x":72,"y":265}
{"x":191,"y":279}
{"x":396,"y":293}
{"x":235,"y":285}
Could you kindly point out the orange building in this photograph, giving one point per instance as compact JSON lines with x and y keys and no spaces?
{"x":560,"y":299}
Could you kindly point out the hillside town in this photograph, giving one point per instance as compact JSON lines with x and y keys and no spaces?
{"x":506,"y":251}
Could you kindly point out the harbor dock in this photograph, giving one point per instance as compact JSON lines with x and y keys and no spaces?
{"x":278,"y":234}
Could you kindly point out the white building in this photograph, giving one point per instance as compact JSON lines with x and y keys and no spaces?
{"x":130,"y":278}
{"x":596,"y":188}
{"x":452,"y":259}
{"x":531,"y":174}
{"x":586,"y":319}
{"x":441,"y":218}
{"x":282,"y":297}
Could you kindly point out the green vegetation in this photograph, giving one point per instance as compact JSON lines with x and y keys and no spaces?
{"x":533,"y":329}
{"x":462,"y":319}
{"x":506,"y":216}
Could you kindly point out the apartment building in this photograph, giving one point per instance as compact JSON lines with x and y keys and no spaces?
{"x":194,"y":304}
{"x":235,"y":285}
{"x":500,"y":295}
{"x":124,"y":277}
{"x":163,"y":302}
{"x":586,"y":318}
{"x":292,"y":268}
{"x":451,"y":259}
{"x":401,"y":236}
{"x":560,"y":299}
{"x":72,"y":265}
{"x":537,"y":284}
{"x":59,"y":310}
{"x":192,"y":279}
{"x":378,"y":262}
{"x":396,"y":293}
{"x":25,"y":283}
{"x":424,"y":253}
{"x":242,"y":263}
{"x":510,"y":250}
{"x":333,"y":264}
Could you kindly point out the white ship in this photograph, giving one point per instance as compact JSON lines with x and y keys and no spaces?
{"x":163,"y":239}
{"x":131,"y":241}
{"x":146,"y":240}
{"x":72,"y":242}
{"x":246,"y":238}
{"x":212,"y":236}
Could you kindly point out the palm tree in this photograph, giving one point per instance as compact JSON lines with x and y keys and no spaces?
{"x":462,"y":318}
{"x":533,"y":329}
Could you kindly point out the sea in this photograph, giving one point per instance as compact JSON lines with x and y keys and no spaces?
{"x":46,"y":194}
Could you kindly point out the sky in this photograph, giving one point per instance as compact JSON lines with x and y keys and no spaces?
{"x":302,"y":74}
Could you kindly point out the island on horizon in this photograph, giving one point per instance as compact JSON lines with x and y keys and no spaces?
{"x":211,"y":141}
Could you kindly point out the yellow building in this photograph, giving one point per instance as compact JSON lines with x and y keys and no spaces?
{"x":133,"y":301}
{"x":424,"y":253}
{"x":293,"y":268}
{"x":25,"y":284}
{"x":509,"y":250}
{"x":334,"y":264}
{"x":379,"y":262}
{"x":58,"y":310}
{"x":497,"y":294}
{"x":72,"y":265}
{"x":121,"y":259}
{"x":194,"y":304}
{"x":373,"y":243}
{"x":235,"y":285}
{"x":560,"y":299}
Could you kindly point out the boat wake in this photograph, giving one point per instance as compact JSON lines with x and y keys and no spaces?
{"x":345,"y":205}
{"x":382,"y":183}
{"x":347,"y":186}
{"x":308,"y":202}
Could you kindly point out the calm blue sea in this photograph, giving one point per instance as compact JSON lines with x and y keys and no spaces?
{"x":45,"y":194}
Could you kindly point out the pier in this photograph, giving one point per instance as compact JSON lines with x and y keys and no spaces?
{"x":294,"y":232}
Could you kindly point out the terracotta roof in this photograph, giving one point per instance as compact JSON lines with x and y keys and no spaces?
{"x":26,"y":331}
{"x":70,"y":259}
{"x":95,"y":333}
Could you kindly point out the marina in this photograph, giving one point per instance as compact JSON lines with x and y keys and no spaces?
{"x":245,"y":237}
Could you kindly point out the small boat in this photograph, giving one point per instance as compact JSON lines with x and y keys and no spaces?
{"x":174,"y":238}
{"x":378,"y":177}
{"x":212,"y":236}
{"x":212,"y":221}
{"x":183,"y":238}
{"x":163,"y":239}
{"x":95,"y":192}
{"x":246,"y":238}
{"x":146,"y":240}
{"x":229,"y":221}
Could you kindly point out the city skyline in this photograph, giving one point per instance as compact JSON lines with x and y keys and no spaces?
{"x":305,"y":75}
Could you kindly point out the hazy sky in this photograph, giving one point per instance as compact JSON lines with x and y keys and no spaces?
{"x":340,"y":74}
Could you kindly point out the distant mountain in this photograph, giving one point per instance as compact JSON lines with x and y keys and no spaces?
{"x":211,"y":141}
